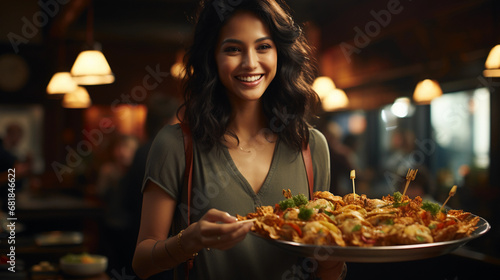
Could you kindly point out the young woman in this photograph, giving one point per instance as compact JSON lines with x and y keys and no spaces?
{"x":247,"y":100}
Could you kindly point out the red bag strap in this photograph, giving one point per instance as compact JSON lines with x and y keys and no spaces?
{"x":306,"y":155}
{"x":188,"y":179}
{"x":188,"y":174}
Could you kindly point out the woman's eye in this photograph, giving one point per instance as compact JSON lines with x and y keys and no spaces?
{"x":264,"y":47}
{"x":231,"y":49}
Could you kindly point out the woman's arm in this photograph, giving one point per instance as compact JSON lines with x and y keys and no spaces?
{"x":156,"y":217}
{"x":156,"y":252}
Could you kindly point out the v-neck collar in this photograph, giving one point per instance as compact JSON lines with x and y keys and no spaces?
{"x":248,"y":188}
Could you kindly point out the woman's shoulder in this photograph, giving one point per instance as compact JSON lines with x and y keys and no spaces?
{"x":169,"y":138}
{"x":316,"y":138}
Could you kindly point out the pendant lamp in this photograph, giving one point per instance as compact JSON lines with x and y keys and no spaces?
{"x":61,"y":83}
{"x":492,"y":63}
{"x":77,"y":99}
{"x":335,"y":99}
{"x":91,"y":67}
{"x":426,"y":91}
{"x":322,"y":86}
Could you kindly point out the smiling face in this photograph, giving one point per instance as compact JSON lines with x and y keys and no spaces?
{"x":246,"y":57}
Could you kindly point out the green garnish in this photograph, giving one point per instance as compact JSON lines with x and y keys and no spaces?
{"x":389,"y":222}
{"x":328,"y":213}
{"x":431,"y":207}
{"x":397,"y":197}
{"x":397,"y":200}
{"x":287,"y":203}
{"x":295,"y":201}
{"x":432,"y":226}
{"x":420,"y":238}
{"x":305,"y":213}
{"x":300,"y":199}
{"x":356,"y":228}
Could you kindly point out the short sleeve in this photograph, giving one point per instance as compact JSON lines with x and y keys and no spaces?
{"x":321,"y":160}
{"x":166,"y":161}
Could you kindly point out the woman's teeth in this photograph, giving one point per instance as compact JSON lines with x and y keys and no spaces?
{"x":249,"y":78}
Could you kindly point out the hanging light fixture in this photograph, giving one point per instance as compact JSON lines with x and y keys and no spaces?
{"x":335,"y":99}
{"x":77,"y":99}
{"x":61,"y":83}
{"x":91,"y":66}
{"x":426,"y":91}
{"x":322,"y":86}
{"x":492,"y":63}
{"x":332,"y":98}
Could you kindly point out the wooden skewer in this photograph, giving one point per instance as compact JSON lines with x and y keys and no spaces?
{"x":453,"y":191}
{"x":247,"y":221}
{"x":353,"y":176}
{"x":410,"y":176}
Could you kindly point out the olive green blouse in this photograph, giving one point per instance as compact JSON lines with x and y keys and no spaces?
{"x":217,"y":183}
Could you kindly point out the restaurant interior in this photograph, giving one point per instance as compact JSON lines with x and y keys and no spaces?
{"x":403,"y":85}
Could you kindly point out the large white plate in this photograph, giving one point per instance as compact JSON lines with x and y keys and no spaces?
{"x":378,"y":254}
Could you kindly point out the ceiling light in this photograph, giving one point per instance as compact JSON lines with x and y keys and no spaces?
{"x":92,"y":68}
{"x":426,"y":91}
{"x":492,"y":63}
{"x":322,"y":86}
{"x":335,"y":99}
{"x":77,"y":99}
{"x":61,"y":83}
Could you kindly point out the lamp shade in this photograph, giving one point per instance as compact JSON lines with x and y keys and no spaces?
{"x":492,"y":63}
{"x":92,"y":68}
{"x":322,"y":86}
{"x":335,"y":99}
{"x":426,"y":91}
{"x":77,"y":99}
{"x":61,"y":83}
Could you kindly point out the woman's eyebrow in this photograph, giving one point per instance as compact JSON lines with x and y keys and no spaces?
{"x":235,"y":41}
{"x":263,"y":39}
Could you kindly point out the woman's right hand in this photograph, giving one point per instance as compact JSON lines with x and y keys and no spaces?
{"x":216,"y":230}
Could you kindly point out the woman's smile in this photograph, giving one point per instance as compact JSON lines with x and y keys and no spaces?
{"x":250,"y":80}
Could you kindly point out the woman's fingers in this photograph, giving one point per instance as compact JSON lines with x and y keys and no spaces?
{"x":229,"y":239}
{"x":214,"y":215}
{"x":219,"y":230}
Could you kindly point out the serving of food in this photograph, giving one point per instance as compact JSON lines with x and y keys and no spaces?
{"x":355,"y":221}
{"x":83,"y":264}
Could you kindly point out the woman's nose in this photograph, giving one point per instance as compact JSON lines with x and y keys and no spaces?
{"x":250,"y":60}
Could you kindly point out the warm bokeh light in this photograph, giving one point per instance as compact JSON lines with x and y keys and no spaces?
{"x":77,"y":99}
{"x":335,"y":99}
{"x":426,"y":91}
{"x":92,"y":68}
{"x":492,"y":63}
{"x":61,"y":83}
{"x":323,"y":85}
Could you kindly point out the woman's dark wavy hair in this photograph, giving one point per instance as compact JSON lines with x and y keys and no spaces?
{"x":288,"y":100}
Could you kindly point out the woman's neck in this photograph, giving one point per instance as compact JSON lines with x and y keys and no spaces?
{"x":248,"y":120}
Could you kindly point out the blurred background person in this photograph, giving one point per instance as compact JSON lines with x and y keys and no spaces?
{"x":161,"y":110}
{"x":404,"y":155}
{"x":342,"y":159}
{"x":14,"y":133}
{"x":108,"y":190}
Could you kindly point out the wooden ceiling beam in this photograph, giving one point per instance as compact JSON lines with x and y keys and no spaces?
{"x":69,"y":13}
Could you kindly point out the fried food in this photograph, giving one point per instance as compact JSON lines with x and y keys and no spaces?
{"x":355,"y":220}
